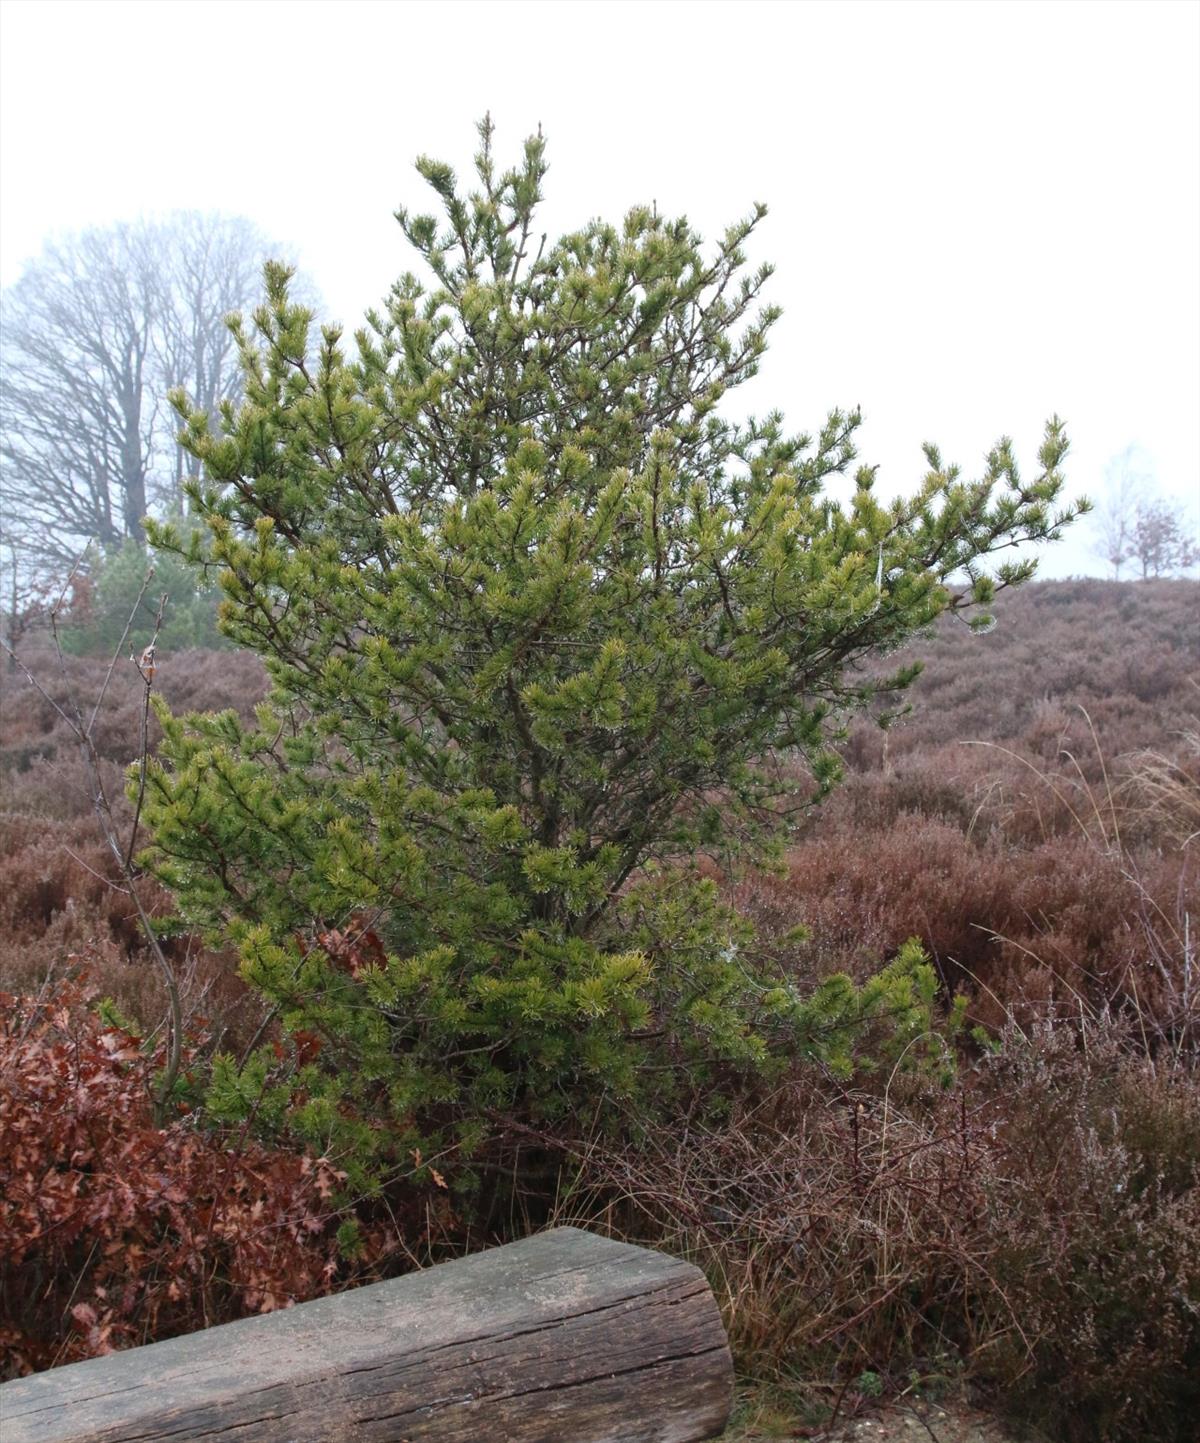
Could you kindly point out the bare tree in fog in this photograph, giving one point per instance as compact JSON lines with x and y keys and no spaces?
{"x":1116,"y":515}
{"x":94,"y":334}
{"x":1164,"y":539}
{"x":214,"y":270}
{"x":77,"y":416}
{"x":1135,"y":523}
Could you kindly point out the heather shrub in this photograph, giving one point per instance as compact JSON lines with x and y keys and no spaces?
{"x":1033,"y":1225}
{"x":63,"y":909}
{"x":1096,"y":1216}
{"x":61,"y":899}
{"x":1039,"y":930}
{"x":1127,"y":652}
{"x":31,"y":730}
{"x":50,"y":782}
{"x":1036,"y":1229}
{"x":1043,"y":851}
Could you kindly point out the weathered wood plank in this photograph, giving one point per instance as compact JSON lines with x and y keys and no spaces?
{"x":562,"y":1338}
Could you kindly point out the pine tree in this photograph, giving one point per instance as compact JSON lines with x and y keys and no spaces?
{"x":542,"y":624}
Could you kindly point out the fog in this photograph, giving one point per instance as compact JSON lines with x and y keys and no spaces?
{"x":980,"y":214}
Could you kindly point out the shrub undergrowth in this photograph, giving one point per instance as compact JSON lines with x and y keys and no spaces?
{"x":114,"y":1231}
{"x":1033,"y":1226}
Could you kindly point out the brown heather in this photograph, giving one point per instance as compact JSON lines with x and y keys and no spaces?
{"x":62,"y":905}
{"x":1034,"y":821}
{"x":1035,"y":1228}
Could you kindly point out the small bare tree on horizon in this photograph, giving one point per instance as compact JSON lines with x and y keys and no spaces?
{"x":1135,"y":523}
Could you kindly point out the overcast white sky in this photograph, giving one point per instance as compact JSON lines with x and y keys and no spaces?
{"x":980,"y":212}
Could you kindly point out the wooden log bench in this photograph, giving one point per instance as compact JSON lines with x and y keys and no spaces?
{"x":565,"y":1337}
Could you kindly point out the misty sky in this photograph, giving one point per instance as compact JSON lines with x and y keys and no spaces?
{"x":980,"y":213}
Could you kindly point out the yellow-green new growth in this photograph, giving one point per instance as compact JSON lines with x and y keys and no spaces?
{"x":540,"y":622}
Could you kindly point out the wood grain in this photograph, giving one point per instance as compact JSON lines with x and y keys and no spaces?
{"x":562,"y":1338}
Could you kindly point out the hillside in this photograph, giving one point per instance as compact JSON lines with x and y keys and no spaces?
{"x":1024,"y":748}
{"x":1028,"y":1224}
